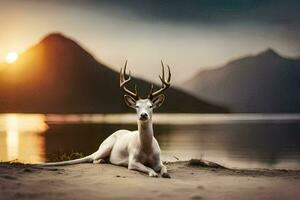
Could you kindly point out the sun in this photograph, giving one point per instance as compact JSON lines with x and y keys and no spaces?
{"x":11,"y":57}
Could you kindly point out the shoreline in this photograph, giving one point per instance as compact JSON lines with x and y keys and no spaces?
{"x":194,"y":179}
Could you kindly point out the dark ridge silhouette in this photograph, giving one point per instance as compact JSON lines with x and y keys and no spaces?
{"x":264,"y":83}
{"x":59,"y":76}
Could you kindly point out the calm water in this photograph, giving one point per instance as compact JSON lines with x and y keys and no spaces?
{"x":243,"y":141}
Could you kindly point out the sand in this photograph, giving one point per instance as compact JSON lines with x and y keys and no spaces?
{"x":105,"y":181}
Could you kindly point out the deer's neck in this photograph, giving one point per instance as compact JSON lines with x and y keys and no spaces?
{"x":146,"y":135}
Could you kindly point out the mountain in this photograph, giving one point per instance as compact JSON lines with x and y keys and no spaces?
{"x":262,"y":83}
{"x":59,"y":76}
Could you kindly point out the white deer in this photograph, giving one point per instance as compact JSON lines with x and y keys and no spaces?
{"x":137,"y":150}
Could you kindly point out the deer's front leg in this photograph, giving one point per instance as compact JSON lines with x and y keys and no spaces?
{"x":162,"y":169}
{"x":135,"y":165}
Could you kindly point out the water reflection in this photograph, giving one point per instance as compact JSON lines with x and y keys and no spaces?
{"x":246,"y":142}
{"x":20,"y":139}
{"x":261,"y":145}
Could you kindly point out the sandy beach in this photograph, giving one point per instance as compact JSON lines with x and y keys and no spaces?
{"x":105,"y":181}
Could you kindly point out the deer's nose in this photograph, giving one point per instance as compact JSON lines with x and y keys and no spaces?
{"x":144,"y":116}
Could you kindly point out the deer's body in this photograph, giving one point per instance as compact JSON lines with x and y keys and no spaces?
{"x":137,"y":150}
{"x":124,"y":148}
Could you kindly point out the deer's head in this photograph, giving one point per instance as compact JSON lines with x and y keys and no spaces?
{"x":144,"y":106}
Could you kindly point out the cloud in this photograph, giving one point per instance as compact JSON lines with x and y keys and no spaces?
{"x":283,"y":15}
{"x":207,"y":11}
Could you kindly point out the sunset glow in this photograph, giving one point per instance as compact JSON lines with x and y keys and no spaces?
{"x":11,"y":57}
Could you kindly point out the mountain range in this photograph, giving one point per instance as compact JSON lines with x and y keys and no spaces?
{"x":263,"y":83}
{"x":58,"y":76}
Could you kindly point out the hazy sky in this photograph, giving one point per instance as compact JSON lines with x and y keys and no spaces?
{"x":189,"y":35}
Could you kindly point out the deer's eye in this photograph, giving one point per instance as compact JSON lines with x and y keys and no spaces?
{"x":136,"y":106}
{"x":151,"y":106}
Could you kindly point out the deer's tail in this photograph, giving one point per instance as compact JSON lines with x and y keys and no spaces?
{"x":87,"y":159}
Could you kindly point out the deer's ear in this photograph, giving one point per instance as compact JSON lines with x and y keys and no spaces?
{"x":158,"y":101}
{"x":129,"y":101}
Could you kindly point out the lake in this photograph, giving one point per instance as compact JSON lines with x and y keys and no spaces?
{"x":233,"y":140}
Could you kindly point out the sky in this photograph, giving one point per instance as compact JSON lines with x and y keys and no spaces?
{"x":188,"y":35}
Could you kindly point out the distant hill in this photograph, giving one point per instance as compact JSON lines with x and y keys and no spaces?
{"x":263,"y":83}
{"x":59,"y":76}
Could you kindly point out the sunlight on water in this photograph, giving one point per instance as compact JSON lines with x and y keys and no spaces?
{"x":23,"y":122}
{"x":22,"y":141}
{"x":12,"y":142}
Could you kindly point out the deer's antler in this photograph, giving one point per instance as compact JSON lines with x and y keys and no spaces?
{"x":124,"y":81}
{"x":165,"y":83}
